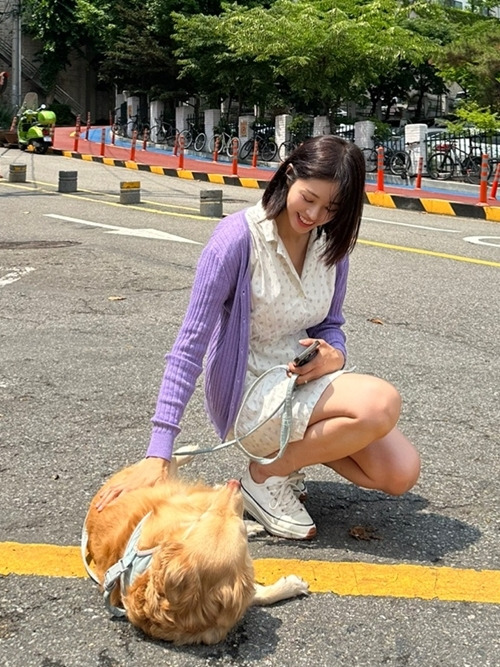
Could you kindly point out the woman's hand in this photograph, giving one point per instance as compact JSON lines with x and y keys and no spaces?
{"x":147,"y":472}
{"x":327,"y":360}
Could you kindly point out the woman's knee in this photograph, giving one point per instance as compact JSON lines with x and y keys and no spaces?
{"x":380,"y":407}
{"x":402,"y":476}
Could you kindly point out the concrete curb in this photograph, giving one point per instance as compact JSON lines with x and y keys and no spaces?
{"x":382,"y":199}
{"x":436,"y":206}
{"x":219,"y":179}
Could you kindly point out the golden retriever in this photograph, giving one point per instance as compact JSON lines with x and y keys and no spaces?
{"x":200,"y":580}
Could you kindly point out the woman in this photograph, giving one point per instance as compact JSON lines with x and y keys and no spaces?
{"x":272,"y":280}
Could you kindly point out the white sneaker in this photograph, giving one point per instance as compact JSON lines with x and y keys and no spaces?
{"x":297,"y":482}
{"x":274,"y":504}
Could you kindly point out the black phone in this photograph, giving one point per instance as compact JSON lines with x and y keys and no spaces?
{"x":307,"y":354}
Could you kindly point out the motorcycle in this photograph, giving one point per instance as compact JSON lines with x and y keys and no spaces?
{"x":34,"y":125}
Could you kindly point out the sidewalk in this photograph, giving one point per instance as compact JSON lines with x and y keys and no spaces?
{"x":449,"y":199}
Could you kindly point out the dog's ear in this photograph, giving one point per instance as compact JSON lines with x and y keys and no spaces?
{"x":174,"y":577}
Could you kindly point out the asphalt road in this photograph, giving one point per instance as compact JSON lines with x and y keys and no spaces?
{"x":87,"y":312}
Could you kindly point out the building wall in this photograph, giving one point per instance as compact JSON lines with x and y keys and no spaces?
{"x":77,"y":84}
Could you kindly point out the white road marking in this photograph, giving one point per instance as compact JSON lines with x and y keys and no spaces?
{"x":15,"y":274}
{"x":126,"y":231}
{"x":479,"y":240}
{"x":407,"y":224}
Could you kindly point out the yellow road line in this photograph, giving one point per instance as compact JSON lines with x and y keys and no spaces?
{"x":339,"y":578}
{"x":388,"y":246}
{"x":173,"y":214}
{"x":421,"y":251}
{"x":110,"y":194}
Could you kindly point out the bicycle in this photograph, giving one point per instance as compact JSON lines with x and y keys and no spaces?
{"x":161,"y":130}
{"x":119,"y":127}
{"x":224,"y":143}
{"x":193,"y":137}
{"x":266,"y":145}
{"x":398,"y":162}
{"x":140,"y":126}
{"x":288,"y":146}
{"x":448,"y":160}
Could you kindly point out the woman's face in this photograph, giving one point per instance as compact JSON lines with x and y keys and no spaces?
{"x":308,"y":204}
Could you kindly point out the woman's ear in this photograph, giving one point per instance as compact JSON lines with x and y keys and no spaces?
{"x":291,"y":173}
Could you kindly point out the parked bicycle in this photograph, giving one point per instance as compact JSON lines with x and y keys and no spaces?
{"x":193,"y":137}
{"x":119,"y":127}
{"x":450,"y":160}
{"x":397,"y":161}
{"x":223,"y":143}
{"x":138,"y":125}
{"x":266,"y":145}
{"x":287,"y":147}
{"x":161,"y":130}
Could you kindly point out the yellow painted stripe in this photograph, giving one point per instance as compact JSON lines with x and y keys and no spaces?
{"x":109,"y":161}
{"x":438,"y":206}
{"x":67,"y":154}
{"x":358,"y":579}
{"x":381,"y":199}
{"x":144,"y":209}
{"x":130,"y":185}
{"x":431,"y":253}
{"x":131,"y":165}
{"x":185,"y":173}
{"x":249,"y":182}
{"x":401,"y":581}
{"x":87,"y":158}
{"x":216,"y":178}
{"x":157,"y":170}
{"x":44,"y":560}
{"x":492,"y":213}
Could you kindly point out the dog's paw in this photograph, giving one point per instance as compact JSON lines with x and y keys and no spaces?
{"x":253,"y":528}
{"x":295,"y":585}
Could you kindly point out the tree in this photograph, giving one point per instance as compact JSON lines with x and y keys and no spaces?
{"x":472,"y":59}
{"x":53,"y":23}
{"x":319,"y":52}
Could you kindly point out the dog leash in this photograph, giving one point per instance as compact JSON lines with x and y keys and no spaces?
{"x":286,"y":421}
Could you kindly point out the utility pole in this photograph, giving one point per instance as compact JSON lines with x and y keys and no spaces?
{"x":16,"y":54}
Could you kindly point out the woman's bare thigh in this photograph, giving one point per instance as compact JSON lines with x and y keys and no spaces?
{"x":357,"y":396}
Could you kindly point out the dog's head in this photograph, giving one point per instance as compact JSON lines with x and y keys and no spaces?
{"x":201,"y":580}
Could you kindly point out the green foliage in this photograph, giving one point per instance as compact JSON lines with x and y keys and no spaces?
{"x":383,"y":131}
{"x":300,"y":56}
{"x":471,"y":114}
{"x":472,"y":59}
{"x":315,"y":52}
{"x":300,"y":127}
{"x":53,"y":23}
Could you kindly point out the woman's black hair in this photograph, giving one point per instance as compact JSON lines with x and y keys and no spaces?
{"x":329,"y":158}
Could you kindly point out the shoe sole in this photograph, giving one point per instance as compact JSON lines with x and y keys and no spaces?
{"x":255,"y":510}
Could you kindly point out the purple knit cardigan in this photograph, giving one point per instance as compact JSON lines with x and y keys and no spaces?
{"x":217,"y":324}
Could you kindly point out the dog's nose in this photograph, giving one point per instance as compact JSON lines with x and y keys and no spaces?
{"x":233,"y":484}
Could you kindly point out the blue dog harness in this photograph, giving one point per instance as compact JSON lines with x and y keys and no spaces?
{"x":133,"y":563}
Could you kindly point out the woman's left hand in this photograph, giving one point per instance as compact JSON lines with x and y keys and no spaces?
{"x":327,"y":360}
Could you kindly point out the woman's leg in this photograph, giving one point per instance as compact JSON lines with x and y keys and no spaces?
{"x":390,"y":464}
{"x":352,"y":430}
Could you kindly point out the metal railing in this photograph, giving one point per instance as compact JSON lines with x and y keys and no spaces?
{"x":469,"y":141}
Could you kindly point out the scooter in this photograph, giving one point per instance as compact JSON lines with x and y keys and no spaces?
{"x":34,"y":125}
